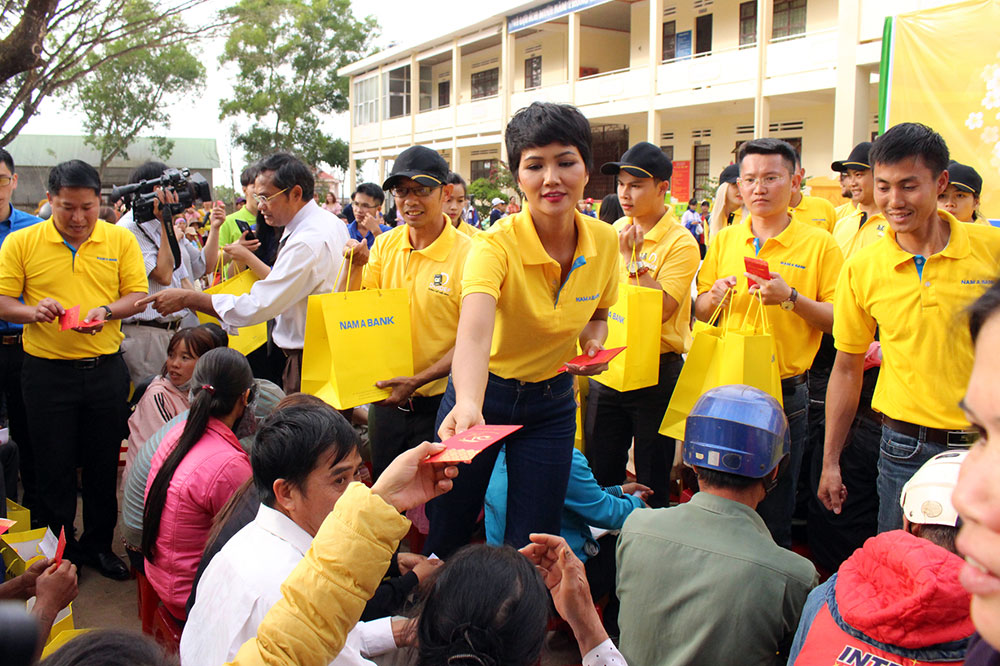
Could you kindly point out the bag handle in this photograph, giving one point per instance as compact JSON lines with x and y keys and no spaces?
{"x":348,"y":259}
{"x":634,"y":259}
{"x":724,"y":303}
{"x":760,"y":317}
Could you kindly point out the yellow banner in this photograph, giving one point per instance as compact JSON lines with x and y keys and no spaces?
{"x":945,"y":72}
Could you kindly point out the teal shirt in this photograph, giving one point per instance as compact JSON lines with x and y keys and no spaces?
{"x":704,"y":583}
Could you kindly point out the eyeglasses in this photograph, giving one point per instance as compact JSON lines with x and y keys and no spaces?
{"x":261,"y":200}
{"x":766,"y":181}
{"x":6,"y":180}
{"x":422,"y":191}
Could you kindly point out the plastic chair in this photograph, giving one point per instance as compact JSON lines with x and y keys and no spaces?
{"x":166,"y":631}
{"x":148,"y":600}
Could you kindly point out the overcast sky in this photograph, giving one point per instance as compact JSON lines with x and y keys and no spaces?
{"x":197,"y":116}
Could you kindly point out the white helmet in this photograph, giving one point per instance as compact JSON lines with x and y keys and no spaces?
{"x":926,"y":498}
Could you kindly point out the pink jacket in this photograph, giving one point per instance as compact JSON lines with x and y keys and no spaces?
{"x":205,"y":480}
{"x":161,"y":402}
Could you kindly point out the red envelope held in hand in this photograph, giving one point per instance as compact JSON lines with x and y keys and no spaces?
{"x":61,"y":547}
{"x":757,"y":267}
{"x":71,"y":319}
{"x":602,"y":356}
{"x":465,"y":446}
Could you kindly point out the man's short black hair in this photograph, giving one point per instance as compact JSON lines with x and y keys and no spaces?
{"x":249,"y":174}
{"x":907,"y":140}
{"x":291,"y":441}
{"x":147,"y":170}
{"x":455,"y":178}
{"x":544,"y":123}
{"x":5,"y":158}
{"x":372,"y":190}
{"x":770,"y":147}
{"x":725,"y":480}
{"x":289,"y":171}
{"x":74,"y":173}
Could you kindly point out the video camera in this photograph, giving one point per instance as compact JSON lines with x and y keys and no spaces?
{"x":139,"y":197}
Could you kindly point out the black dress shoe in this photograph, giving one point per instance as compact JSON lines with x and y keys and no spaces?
{"x":109,"y":565}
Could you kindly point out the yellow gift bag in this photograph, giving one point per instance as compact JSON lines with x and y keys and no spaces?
{"x":721,"y":355}
{"x":354,"y":339}
{"x":248,"y":338}
{"x":19,"y":513}
{"x":634,"y":322}
{"x":22,"y":549}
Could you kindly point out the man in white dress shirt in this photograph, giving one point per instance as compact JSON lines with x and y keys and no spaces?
{"x":309,"y":255}
{"x":303,"y":459}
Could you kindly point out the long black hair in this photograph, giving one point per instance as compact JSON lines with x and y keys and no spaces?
{"x":220,"y":379}
{"x":499,"y":620}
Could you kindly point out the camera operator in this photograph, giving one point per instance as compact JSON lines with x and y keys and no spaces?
{"x":148,"y":333}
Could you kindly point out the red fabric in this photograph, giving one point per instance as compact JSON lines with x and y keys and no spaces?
{"x":828,"y":644}
{"x":904,"y":591}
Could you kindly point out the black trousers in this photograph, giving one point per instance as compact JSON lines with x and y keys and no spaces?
{"x":614,"y":418}
{"x":77,"y":413}
{"x":392,"y":430}
{"x":11,"y":360}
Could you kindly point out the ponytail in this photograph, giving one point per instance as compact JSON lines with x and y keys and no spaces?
{"x":220,"y":379}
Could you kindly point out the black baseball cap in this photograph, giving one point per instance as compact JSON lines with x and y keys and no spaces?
{"x":965,"y":178}
{"x":858,"y":159}
{"x":643,"y":160}
{"x":730,"y":174}
{"x":418,"y":163}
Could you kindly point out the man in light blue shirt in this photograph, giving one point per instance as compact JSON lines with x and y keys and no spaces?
{"x":11,"y":355}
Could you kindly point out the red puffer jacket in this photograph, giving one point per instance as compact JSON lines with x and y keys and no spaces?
{"x":896,"y":600}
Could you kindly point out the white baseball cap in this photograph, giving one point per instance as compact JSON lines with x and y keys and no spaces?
{"x":926,"y":497}
{"x":497,"y":200}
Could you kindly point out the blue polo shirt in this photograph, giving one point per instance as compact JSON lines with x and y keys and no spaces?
{"x":16,"y":220}
{"x":352,"y":229}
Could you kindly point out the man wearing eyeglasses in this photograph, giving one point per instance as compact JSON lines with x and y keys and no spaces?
{"x":425,"y":256}
{"x":11,"y":358}
{"x":309,"y":255}
{"x":367,"y":203}
{"x":804,"y":264}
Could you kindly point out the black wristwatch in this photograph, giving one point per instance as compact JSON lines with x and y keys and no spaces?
{"x":107,"y":308}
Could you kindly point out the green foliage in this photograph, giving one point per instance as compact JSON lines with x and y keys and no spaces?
{"x":500,"y":183}
{"x":126,"y":96}
{"x":287,"y":53}
{"x":226,"y":194}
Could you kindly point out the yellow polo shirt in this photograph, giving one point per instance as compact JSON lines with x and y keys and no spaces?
{"x":844,"y":209}
{"x":672,"y":254}
{"x":466,"y":228}
{"x":815,"y":211}
{"x":926,"y":349}
{"x":852,"y":235}
{"x":433,"y":276}
{"x":538,"y":319}
{"x":37,"y":263}
{"x":806,"y":257}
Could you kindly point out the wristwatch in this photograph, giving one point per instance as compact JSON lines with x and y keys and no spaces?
{"x":790,"y":303}
{"x":636,"y":268}
{"x":108,"y":310}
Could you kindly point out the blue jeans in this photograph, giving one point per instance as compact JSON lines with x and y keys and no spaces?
{"x":539,"y":456}
{"x":899,"y":457}
{"x":778,"y":506}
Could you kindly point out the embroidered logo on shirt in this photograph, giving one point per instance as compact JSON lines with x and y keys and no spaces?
{"x":584,"y":299}
{"x":439,"y":283}
{"x":985,"y":283}
{"x":791,"y":265}
{"x":106,"y":258}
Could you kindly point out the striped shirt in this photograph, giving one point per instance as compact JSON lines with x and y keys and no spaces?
{"x":148,"y":235}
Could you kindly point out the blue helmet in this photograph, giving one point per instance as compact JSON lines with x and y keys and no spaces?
{"x":736,"y":429}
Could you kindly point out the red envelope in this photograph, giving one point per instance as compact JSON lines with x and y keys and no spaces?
{"x":62,"y":545}
{"x":602,"y":356}
{"x":70,"y":318}
{"x":465,"y":446}
{"x":757,"y":267}
{"x":6,"y":524}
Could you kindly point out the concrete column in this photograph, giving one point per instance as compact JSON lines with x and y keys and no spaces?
{"x":414,"y":96}
{"x":456,"y":82}
{"x":352,"y":176}
{"x":653,"y":130}
{"x":761,"y":105}
{"x":573,"y":59}
{"x":851,"y":97}
{"x":506,"y":81}
{"x":381,"y":168}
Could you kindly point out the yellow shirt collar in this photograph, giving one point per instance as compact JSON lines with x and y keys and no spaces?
{"x":441,"y":247}
{"x":52,"y":235}
{"x":530,"y":246}
{"x":958,"y":242}
{"x":786,"y":237}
